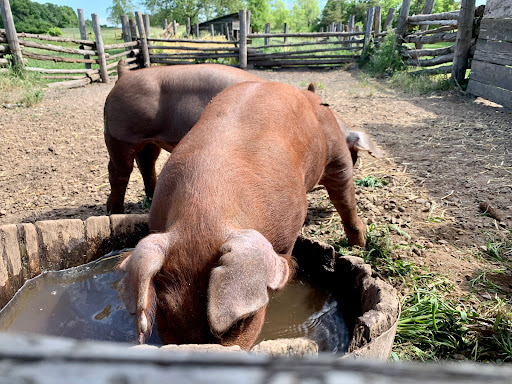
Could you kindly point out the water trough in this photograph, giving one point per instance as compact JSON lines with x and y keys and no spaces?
{"x":369,"y":306}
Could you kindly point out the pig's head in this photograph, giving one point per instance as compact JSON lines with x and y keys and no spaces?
{"x":234,"y":288}
{"x":356,"y":140}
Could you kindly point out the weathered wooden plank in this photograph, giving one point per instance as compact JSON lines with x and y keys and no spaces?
{"x":494,"y":94}
{"x":185,"y":48}
{"x":3,"y":61}
{"x":301,"y":44}
{"x":45,"y":70}
{"x":297,"y":56}
{"x":71,"y":83}
{"x":496,"y":29}
{"x":10,"y":33}
{"x":295,"y":52}
{"x":452,"y":22}
{"x":416,"y":53}
{"x":125,"y":53}
{"x":491,"y":74}
{"x":193,"y":56}
{"x":432,"y":71}
{"x":56,"y":48}
{"x":27,"y":358}
{"x":121,"y":45}
{"x":143,"y":39}
{"x":4,"y":48}
{"x":306,"y":34}
{"x":194,"y":41}
{"x":434,"y":16}
{"x":497,"y":9}
{"x":432,"y":39}
{"x":494,"y":52}
{"x":57,"y":59}
{"x":431,"y":62}
{"x":53,"y":38}
{"x":401,"y":27}
{"x":370,"y":13}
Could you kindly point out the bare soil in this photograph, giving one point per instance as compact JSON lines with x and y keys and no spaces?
{"x":447,"y":153}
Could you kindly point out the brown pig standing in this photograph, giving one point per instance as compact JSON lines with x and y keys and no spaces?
{"x":227,"y":209}
{"x":154,"y":108}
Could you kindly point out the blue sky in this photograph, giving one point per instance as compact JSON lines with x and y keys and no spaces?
{"x":100,"y":6}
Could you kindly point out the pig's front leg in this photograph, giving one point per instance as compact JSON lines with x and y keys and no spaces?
{"x":338,"y":180}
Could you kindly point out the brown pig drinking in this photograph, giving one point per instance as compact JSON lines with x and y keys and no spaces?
{"x":227,"y":209}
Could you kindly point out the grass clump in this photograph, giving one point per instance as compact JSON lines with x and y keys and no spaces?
{"x":420,"y":84}
{"x":433,"y":324}
{"x":20,"y":87}
{"x":370,"y":182}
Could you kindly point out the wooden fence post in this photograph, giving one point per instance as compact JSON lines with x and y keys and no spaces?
{"x":175,"y":28}
{"x":267,"y":30}
{"x":99,"y":48}
{"x":165,"y":24}
{"x":196,"y":30}
{"x":10,"y":31}
{"x":187,"y":28}
{"x":226,"y":29}
{"x":368,"y":30}
{"x":212,"y":30}
{"x":83,"y":33}
{"x":242,"y":15}
{"x":147,"y":27}
{"x":133,"y":29}
{"x":377,"y":20}
{"x":427,"y":10}
{"x":143,"y":39}
{"x":125,"y":25}
{"x":285,"y":31}
{"x":463,"y":42}
{"x":402,"y":22}
{"x":248,"y":21}
{"x":389,"y":19}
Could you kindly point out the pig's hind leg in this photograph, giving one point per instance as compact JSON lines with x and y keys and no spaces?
{"x":146,"y":160}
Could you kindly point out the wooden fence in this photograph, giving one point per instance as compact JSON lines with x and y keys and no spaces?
{"x":447,"y":27}
{"x":491,"y":69}
{"x":98,"y":60}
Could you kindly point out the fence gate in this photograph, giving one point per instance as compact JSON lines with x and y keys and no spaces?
{"x":491,"y":69}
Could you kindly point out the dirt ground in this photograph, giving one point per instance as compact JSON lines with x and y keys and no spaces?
{"x":447,"y":153}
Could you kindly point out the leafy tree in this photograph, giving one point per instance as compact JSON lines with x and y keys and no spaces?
{"x":305,"y":14}
{"x":119,"y":8}
{"x":260,"y":14}
{"x":279,"y":15}
{"x":33,"y":17}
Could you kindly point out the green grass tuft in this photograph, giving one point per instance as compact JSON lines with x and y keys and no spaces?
{"x":370,"y":182}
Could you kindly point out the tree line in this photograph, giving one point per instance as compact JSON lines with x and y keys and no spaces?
{"x":33,"y":17}
{"x":303,"y":15}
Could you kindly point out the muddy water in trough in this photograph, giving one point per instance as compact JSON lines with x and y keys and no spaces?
{"x":83,"y":303}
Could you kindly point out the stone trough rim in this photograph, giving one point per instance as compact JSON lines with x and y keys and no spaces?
{"x":115,"y":232}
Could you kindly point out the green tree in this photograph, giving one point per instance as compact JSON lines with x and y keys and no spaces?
{"x":119,"y":8}
{"x":260,"y":14}
{"x":305,"y":14}
{"x":33,"y":17}
{"x":279,"y":15}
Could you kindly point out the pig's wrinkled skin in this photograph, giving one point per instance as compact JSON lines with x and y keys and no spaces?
{"x":228,"y":207}
{"x":154,"y":108}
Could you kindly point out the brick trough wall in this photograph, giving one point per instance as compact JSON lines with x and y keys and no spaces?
{"x":26,"y":250}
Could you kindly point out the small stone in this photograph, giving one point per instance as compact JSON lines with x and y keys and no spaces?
{"x":442,"y":241}
{"x":459,"y":356}
{"x":3,"y":212}
{"x":50,"y":149}
{"x":421,"y":201}
{"x":401,"y":209}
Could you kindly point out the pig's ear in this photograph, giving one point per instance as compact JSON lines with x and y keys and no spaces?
{"x":360,"y":141}
{"x":136,"y":287}
{"x":312,"y":87}
{"x":238,"y":286}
